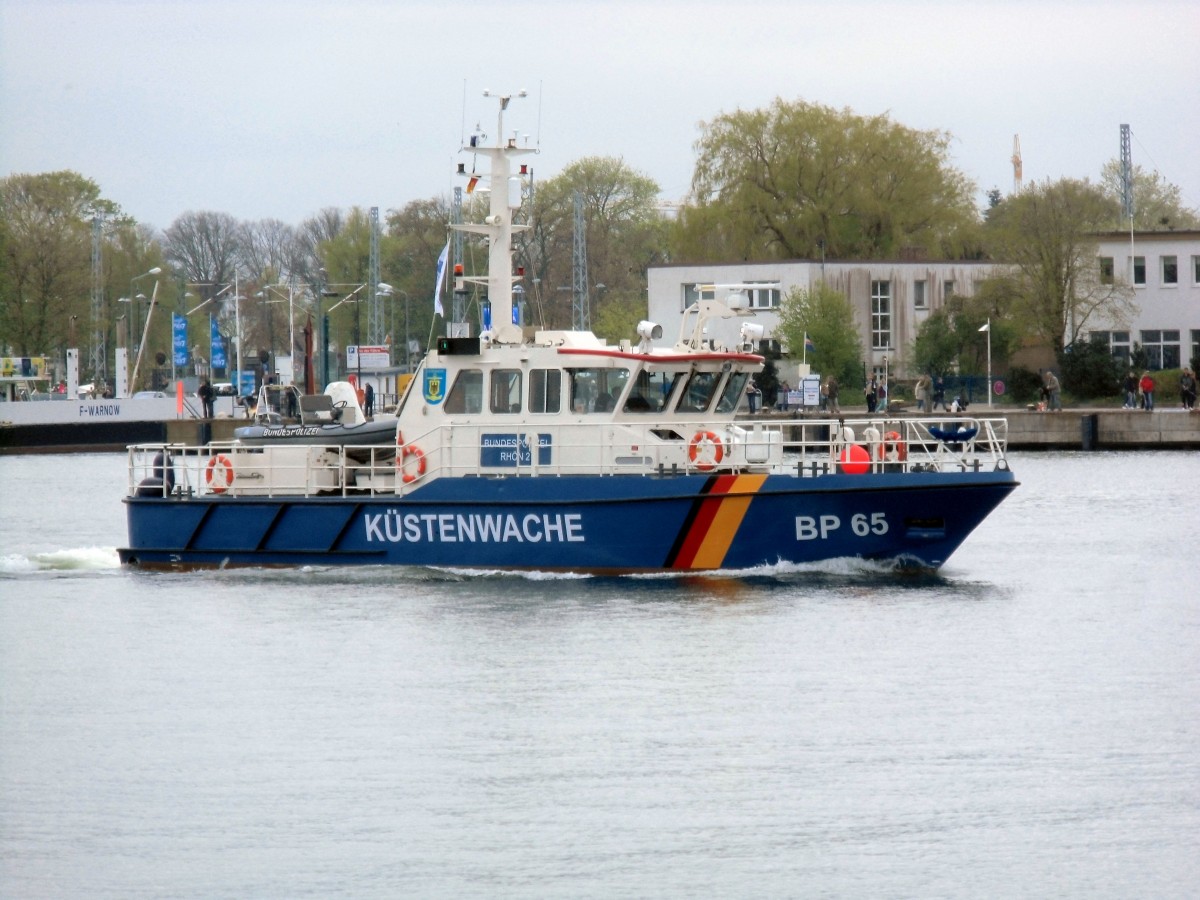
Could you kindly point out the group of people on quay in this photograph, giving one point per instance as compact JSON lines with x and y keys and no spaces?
{"x":930,"y":394}
{"x":1139,"y":391}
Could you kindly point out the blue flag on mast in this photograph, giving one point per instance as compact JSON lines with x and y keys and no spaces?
{"x":218,"y":344}
{"x":441,"y":276}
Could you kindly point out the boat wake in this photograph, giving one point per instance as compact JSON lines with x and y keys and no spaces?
{"x":76,"y":559}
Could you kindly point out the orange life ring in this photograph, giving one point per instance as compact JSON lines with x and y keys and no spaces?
{"x":893,"y":449}
{"x":705,"y":437}
{"x":223,"y":461}
{"x":405,"y":452}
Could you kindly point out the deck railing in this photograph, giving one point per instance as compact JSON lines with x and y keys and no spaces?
{"x":808,"y":448}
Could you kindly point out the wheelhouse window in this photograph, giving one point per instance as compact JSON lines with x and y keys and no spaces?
{"x":1106,"y":270}
{"x":506,"y":391}
{"x":650,"y":391}
{"x":595,"y":390}
{"x":1139,"y":270}
{"x":1170,"y":270}
{"x":698,"y":392}
{"x":731,"y":394}
{"x":545,"y":391}
{"x":881,"y":315}
{"x":466,"y":397}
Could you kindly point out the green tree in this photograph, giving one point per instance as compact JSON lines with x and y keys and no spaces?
{"x":1089,"y":370}
{"x":624,"y":235}
{"x":1157,"y":204}
{"x":827,"y":318}
{"x":1047,"y":234}
{"x":798,"y":180}
{"x":951,"y":340}
{"x":45,"y":267}
{"x":416,"y":235}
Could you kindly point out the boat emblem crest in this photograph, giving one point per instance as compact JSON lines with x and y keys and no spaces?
{"x":435,"y":385}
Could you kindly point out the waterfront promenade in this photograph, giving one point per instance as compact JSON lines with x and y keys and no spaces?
{"x":1081,"y":428}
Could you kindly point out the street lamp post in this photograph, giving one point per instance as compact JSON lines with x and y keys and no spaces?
{"x":204,"y":303}
{"x":149,"y":315}
{"x":389,"y":291}
{"x":987,"y":326}
{"x":349,"y":298}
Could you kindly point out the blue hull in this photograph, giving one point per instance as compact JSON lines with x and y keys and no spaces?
{"x":580,"y":524}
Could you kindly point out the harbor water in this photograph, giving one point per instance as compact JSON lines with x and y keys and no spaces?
{"x":1024,"y":723}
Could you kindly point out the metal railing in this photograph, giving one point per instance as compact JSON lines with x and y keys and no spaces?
{"x":807,"y":448}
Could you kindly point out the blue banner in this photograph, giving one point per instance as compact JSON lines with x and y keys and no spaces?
{"x":179,"y":339}
{"x":218,"y":360}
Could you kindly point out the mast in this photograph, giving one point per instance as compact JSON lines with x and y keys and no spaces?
{"x":497,"y":226}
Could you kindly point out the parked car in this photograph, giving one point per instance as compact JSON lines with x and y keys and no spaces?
{"x":149,"y":395}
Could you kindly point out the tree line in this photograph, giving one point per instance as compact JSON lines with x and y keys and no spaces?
{"x":796,"y":180}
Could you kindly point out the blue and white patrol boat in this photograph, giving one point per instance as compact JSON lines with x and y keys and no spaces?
{"x":523,"y":449}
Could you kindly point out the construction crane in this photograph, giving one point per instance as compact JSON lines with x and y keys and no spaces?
{"x":1016,"y":161}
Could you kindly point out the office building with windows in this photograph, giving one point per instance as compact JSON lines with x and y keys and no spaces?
{"x":1164,"y":269}
{"x":891,"y":299}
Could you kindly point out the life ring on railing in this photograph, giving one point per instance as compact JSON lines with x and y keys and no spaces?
{"x":405,"y":452}
{"x":893,"y":448}
{"x":213,"y":480}
{"x":709,"y":439}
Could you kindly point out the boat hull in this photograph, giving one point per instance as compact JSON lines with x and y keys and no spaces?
{"x":589,"y":524}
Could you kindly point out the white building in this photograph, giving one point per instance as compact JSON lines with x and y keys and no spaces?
{"x":1164,"y":269}
{"x":890,"y":299}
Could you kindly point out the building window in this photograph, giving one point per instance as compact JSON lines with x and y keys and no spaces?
{"x":919,"y":301}
{"x":948,"y":289}
{"x":1195,"y":346}
{"x":1196,"y":270}
{"x":1162,"y":348}
{"x":763,"y":297}
{"x":1139,"y":270}
{"x":1117,"y":341}
{"x":881,"y":315}
{"x":694,"y":293}
{"x":1170,"y":270}
{"x":1106,"y":270}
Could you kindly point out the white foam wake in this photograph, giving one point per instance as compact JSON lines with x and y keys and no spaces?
{"x":66,"y":560}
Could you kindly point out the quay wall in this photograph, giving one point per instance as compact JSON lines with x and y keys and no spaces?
{"x":1071,"y":429}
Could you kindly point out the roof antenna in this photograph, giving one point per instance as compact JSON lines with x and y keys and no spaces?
{"x":462,"y":134}
{"x":538,"y":142}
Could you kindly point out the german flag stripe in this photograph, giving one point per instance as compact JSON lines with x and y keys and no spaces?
{"x":713,"y":521}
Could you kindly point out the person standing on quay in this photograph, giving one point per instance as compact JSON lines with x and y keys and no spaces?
{"x":1147,"y":388}
{"x":1053,"y":393}
{"x":871,"y":393}
{"x":1187,"y":389}
{"x":206,"y":398}
{"x":939,"y":394}
{"x":924,"y":383}
{"x":831,"y":395}
{"x":1131,"y":391}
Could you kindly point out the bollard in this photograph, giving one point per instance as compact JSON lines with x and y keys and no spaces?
{"x":1089,"y":430}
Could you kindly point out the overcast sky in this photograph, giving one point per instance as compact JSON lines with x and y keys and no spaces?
{"x":279,"y":109}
